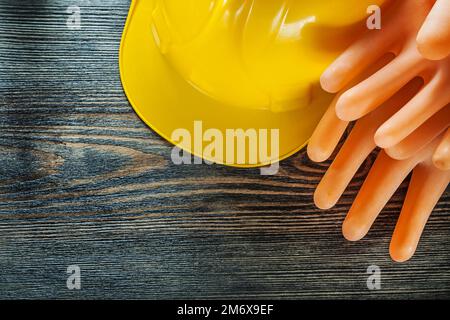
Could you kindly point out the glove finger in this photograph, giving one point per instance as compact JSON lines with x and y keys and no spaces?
{"x":426,"y":187}
{"x":422,"y":136}
{"x":441,"y":157}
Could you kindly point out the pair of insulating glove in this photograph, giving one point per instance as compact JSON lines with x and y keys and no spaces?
{"x":395,"y":83}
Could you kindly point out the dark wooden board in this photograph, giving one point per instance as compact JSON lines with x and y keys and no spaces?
{"x":83,"y":181}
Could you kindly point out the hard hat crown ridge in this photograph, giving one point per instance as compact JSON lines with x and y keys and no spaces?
{"x":254,"y":54}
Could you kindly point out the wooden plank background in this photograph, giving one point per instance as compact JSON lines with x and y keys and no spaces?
{"x":83,"y":181}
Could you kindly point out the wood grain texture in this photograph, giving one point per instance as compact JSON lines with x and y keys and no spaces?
{"x":83,"y":181}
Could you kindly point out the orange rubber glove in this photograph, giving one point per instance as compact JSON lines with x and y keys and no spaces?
{"x":433,"y":39}
{"x":441,"y":157}
{"x":386,"y":175}
{"x":398,"y":36}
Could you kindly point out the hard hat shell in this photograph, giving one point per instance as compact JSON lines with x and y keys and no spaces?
{"x":234,"y":64}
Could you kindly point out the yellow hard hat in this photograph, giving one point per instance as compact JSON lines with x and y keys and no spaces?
{"x":223,"y":65}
